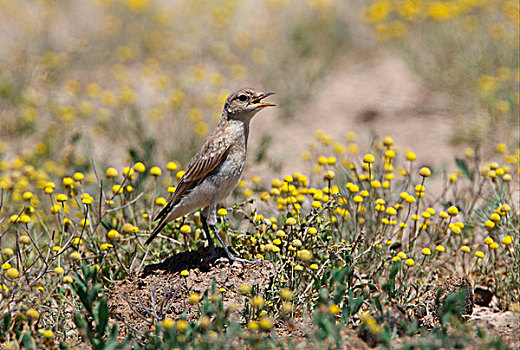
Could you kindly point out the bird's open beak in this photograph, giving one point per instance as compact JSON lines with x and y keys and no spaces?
{"x":257,"y":102}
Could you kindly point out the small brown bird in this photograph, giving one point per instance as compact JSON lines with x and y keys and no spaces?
{"x":216,"y":168}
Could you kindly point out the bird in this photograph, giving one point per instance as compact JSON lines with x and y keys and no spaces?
{"x":214,"y":171}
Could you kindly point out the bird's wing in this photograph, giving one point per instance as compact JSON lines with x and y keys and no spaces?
{"x":204,"y":162}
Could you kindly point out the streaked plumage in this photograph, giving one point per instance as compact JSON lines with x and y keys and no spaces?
{"x":216,"y":168}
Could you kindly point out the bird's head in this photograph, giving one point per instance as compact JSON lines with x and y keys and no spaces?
{"x":245,"y":103}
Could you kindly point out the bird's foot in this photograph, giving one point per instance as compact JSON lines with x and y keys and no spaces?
{"x":233,"y":258}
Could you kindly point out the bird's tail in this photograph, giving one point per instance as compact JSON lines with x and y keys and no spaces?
{"x":156,"y":230}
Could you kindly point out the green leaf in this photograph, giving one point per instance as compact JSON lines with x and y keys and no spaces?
{"x":461,"y":164}
{"x":106,"y":224}
{"x":370,"y":286}
{"x":356,"y":305}
{"x":339,"y":293}
{"x":27,"y":341}
{"x":102,"y":318}
{"x":7,"y":321}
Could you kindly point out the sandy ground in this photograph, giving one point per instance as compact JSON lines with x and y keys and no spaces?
{"x":379,"y":96}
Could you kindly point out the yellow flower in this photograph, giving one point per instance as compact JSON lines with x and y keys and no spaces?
{"x":455,"y":229}
{"x":409,"y":262}
{"x":127,"y":228}
{"x":67,"y":181}
{"x":489,"y":224}
{"x":244,"y":289}
{"x":426,"y":251}
{"x":503,"y":107}
{"x":329,"y":175}
{"x":410,"y":156}
{"x":287,"y":307}
{"x":453,"y":177}
{"x":453,"y":211}
{"x":25,"y":219}
{"x":24,"y":239}
{"x":402,"y":255}
{"x":313,"y":266}
{"x":185,"y":273}
{"x":67,"y":279}
{"x":106,"y":246}
{"x":185,"y":229}
{"x":391,"y":211}
{"x":465,"y":249}
{"x":368,"y":158}
{"x":425,"y":172}
{"x":286,"y":294}
{"x":127,"y":172}
{"x":222,"y":212}
{"x":334,"y":309}
{"x":258,"y":302}
{"x":160,"y":201}
{"x":495,"y":217}
{"x":33,"y":314}
{"x":304,"y":255}
{"x":61,"y":198}
{"x":479,"y":254}
{"x":507,"y":240}
{"x":297,"y":243}
{"x":171,"y":166}
{"x":113,"y":235}
{"x":48,"y":334}
{"x":12,"y":273}
{"x":442,"y":10}
{"x":75,"y":256}
{"x":290,"y":221}
{"x":253,"y":325}
{"x":155,"y":171}
{"x":194,"y":298}
{"x":139,"y":167}
{"x":78,"y":177}
{"x":168,"y":323}
{"x":487,"y":83}
{"x":117,"y":189}
{"x":377,"y":12}
{"x":59,"y":270}
{"x":266,"y":323}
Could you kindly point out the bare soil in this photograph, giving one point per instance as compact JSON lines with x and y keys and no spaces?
{"x":160,"y":291}
{"x":378,"y":96}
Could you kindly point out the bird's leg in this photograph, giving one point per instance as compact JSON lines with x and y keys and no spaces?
{"x":230,"y":255}
{"x":204,"y":221}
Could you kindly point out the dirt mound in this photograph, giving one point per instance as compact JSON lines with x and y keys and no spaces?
{"x":429,"y":310}
{"x":160,"y":291}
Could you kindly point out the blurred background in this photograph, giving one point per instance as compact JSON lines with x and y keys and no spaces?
{"x":119,"y":81}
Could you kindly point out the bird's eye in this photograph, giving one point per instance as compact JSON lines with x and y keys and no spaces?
{"x":242,"y":98}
